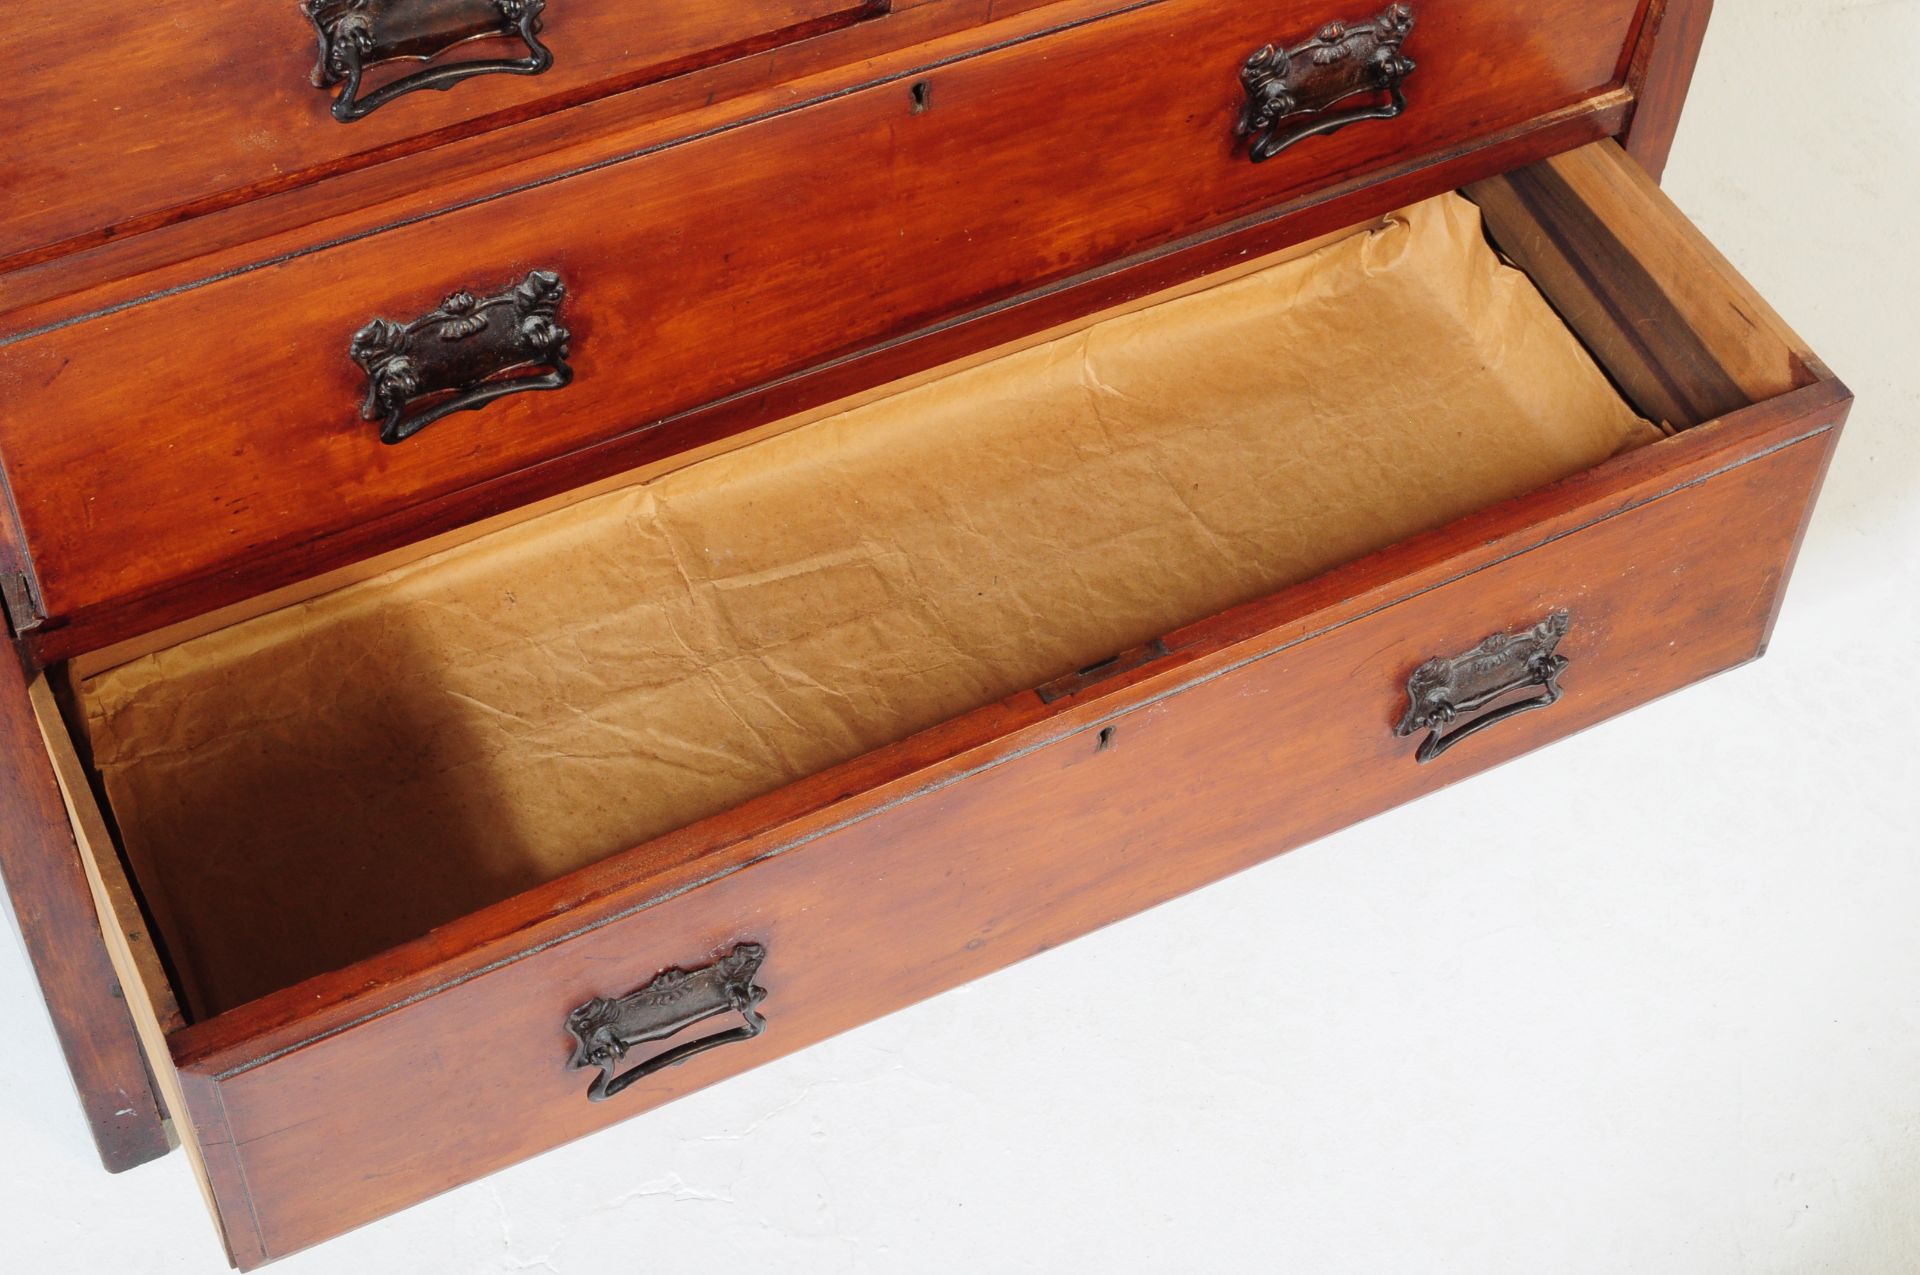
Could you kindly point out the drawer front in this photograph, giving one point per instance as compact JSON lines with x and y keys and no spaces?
{"x":1133,"y":797}
{"x":197,"y":432}
{"x":124,"y":114}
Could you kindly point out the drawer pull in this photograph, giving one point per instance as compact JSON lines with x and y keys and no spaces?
{"x":1442,"y":689}
{"x":455,"y":359}
{"x":1291,"y":91}
{"x":356,"y":35}
{"x":604,"y":1030}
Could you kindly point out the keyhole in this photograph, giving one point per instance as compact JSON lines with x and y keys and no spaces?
{"x":1106,"y":739}
{"x":922,"y":97}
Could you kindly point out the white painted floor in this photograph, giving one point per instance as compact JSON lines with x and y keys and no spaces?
{"x":1648,"y":1002}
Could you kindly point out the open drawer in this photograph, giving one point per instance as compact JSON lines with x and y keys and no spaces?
{"x":327,"y":1089}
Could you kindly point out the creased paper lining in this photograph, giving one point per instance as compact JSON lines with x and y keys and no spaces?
{"x":306,"y":788}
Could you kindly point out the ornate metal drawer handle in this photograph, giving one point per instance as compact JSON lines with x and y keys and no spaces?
{"x":1291,"y":91}
{"x":604,"y":1030}
{"x":1441,"y":689}
{"x":356,"y":35}
{"x":455,"y":359}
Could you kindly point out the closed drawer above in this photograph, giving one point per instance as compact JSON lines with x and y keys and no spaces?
{"x":124,"y":115}
{"x":231,"y":429}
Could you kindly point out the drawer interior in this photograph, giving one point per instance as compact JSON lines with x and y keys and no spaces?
{"x":308,"y":787}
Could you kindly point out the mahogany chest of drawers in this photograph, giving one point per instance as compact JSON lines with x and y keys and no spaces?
{"x":323,"y":322}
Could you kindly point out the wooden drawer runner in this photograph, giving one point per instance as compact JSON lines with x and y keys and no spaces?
{"x":202,"y":431}
{"x":1008,"y":830}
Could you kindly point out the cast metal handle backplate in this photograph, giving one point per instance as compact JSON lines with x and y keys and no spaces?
{"x":604,"y":1031}
{"x":1442,"y":690}
{"x":464,"y":355}
{"x":358,"y":35}
{"x":1292,"y":92}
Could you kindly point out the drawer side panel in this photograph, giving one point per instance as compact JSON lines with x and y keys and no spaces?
{"x":53,"y":909}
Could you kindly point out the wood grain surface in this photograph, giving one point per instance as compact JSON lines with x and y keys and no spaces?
{"x":1663,"y":65}
{"x":1031,"y":821}
{"x":700,"y":272}
{"x":1675,"y":325}
{"x":294,"y":566}
{"x":180,"y":434}
{"x":139,"y":260}
{"x":204,"y":105}
{"x":884,"y":895}
{"x":54,"y":912}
